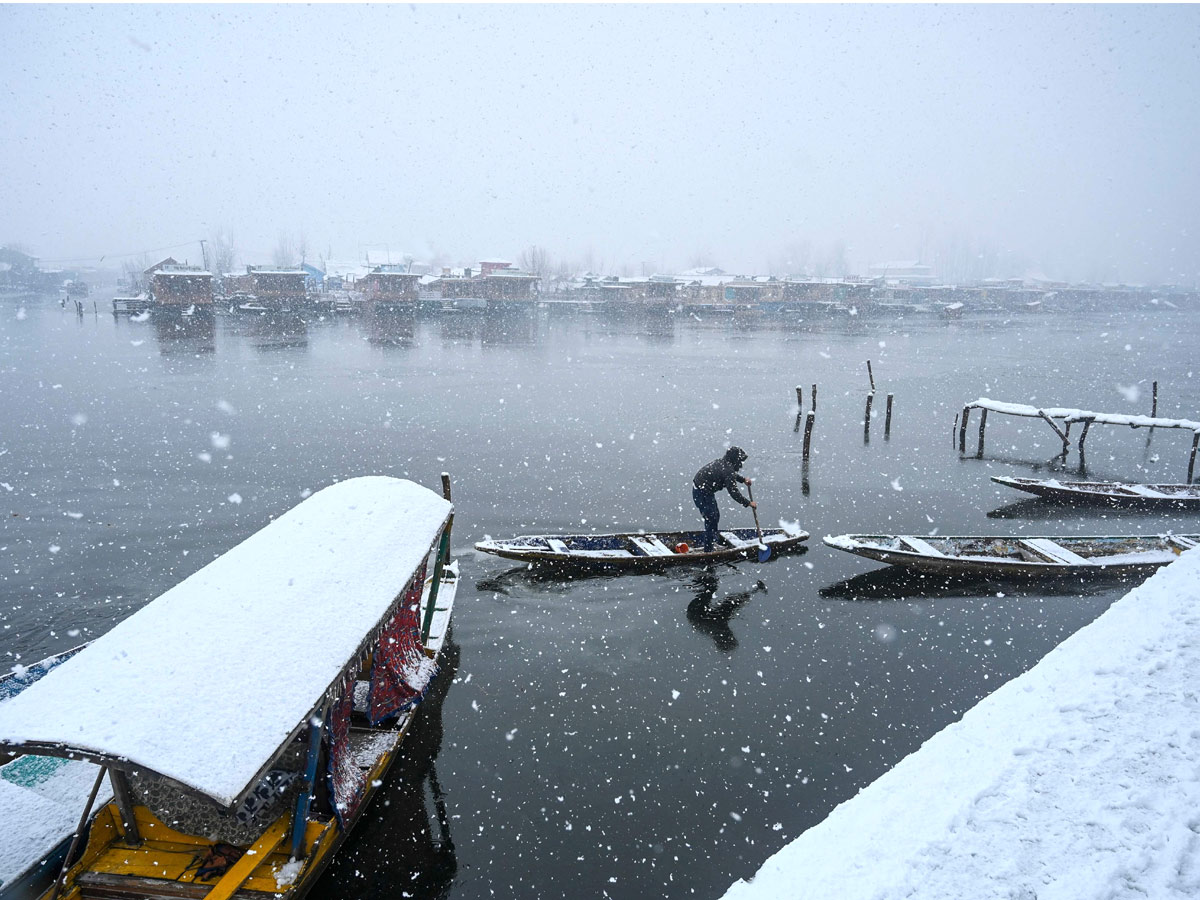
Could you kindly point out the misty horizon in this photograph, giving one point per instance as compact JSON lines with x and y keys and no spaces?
{"x":983,"y":141}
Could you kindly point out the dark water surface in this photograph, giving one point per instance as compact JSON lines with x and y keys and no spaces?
{"x":654,"y":735}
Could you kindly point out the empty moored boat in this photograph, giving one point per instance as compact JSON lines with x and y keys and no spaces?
{"x":1018,"y":554}
{"x":1114,"y":493}
{"x":641,"y":551}
{"x":245,"y":718}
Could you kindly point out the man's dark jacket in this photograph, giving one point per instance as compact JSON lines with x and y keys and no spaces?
{"x":720,"y":475}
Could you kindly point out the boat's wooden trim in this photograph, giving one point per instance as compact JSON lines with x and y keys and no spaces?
{"x":251,"y":859}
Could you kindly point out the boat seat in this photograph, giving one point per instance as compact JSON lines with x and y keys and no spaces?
{"x":650,"y":545}
{"x":734,"y":541}
{"x":920,"y":546}
{"x":1054,"y":552}
{"x":556,"y":545}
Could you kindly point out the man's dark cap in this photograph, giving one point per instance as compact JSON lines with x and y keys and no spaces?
{"x":735,"y":455}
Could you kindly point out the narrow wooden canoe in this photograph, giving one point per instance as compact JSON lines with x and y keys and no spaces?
{"x":1018,"y":555}
{"x":1115,"y":493}
{"x":640,"y":551}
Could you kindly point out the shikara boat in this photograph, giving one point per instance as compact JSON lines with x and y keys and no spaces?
{"x":1018,"y":555}
{"x":1114,"y":493}
{"x":640,"y":551}
{"x":244,"y":719}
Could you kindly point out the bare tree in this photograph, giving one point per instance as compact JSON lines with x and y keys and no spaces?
{"x":535,"y":260}
{"x":285,"y":252}
{"x":224,"y":252}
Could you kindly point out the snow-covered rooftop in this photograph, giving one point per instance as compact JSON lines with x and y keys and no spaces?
{"x":205,"y":683}
{"x":1076,"y":779}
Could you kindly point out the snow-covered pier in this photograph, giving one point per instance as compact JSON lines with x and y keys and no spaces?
{"x":1076,"y":779}
{"x":1069,"y":417}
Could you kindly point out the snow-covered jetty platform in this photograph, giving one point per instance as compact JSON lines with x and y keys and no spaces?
{"x":1076,"y":779}
{"x":1069,"y":417}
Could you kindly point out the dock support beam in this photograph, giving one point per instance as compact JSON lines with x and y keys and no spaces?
{"x":962,"y":429}
{"x":982,"y":428}
{"x":1192,"y":458}
{"x":1066,"y":441}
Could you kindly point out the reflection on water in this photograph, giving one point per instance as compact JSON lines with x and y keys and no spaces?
{"x":709,"y":613}
{"x":900,"y":583}
{"x":403,"y":846}
{"x":268,"y":329}
{"x":388,"y":326}
{"x":184,"y":334}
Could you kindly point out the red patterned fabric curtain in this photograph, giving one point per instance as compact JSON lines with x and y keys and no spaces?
{"x":401,"y":673}
{"x":346,"y":779}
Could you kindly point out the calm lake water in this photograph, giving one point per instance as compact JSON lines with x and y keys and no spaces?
{"x":655,"y":735}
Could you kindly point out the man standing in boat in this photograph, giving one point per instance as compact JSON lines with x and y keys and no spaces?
{"x":719,"y":475}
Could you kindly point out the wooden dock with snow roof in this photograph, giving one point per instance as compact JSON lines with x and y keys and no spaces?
{"x":1070,"y":416}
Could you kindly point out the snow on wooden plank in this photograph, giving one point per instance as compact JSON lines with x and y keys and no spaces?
{"x":556,"y":545}
{"x":1071,"y":414}
{"x":650,"y":545}
{"x":920,"y":546}
{"x":203,"y":684}
{"x":1055,"y":552}
{"x":734,"y":541}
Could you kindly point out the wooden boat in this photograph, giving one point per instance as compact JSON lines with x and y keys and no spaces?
{"x":640,"y":551}
{"x":245,"y":717}
{"x":1114,"y":493}
{"x":1018,"y":554}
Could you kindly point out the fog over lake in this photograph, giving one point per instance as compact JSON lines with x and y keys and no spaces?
{"x":987,"y":141}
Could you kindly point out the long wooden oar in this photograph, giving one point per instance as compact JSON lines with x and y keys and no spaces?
{"x":764,"y":552}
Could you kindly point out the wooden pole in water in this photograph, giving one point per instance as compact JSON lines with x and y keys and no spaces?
{"x":814,"y":398}
{"x":871,"y":376}
{"x":1087,"y":423}
{"x":867,"y":417}
{"x":808,"y":430}
{"x":800,"y":397}
{"x":1154,"y":401}
{"x":982,"y":427}
{"x":887,"y":422}
{"x":1192,"y":458}
{"x":953,"y":428}
{"x":962,"y":429}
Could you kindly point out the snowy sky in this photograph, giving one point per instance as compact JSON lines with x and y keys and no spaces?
{"x":1059,"y":140}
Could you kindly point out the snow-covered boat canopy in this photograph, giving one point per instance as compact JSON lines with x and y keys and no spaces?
{"x":207,"y":684}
